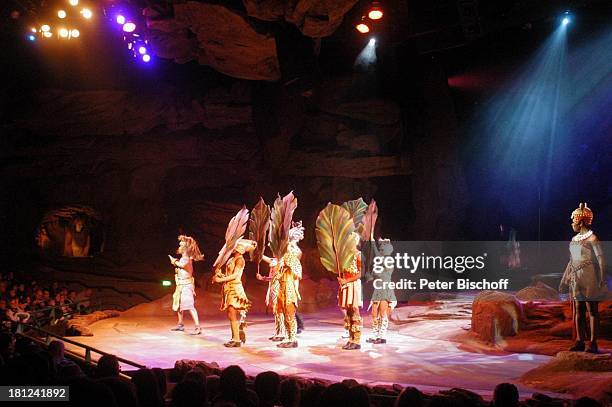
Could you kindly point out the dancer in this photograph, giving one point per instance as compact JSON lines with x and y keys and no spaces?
{"x":585,"y":278}
{"x":183,"y":298}
{"x":272,"y":296}
{"x":383,"y":299}
{"x":234,"y":300}
{"x":350,"y":298}
{"x":290,"y":273}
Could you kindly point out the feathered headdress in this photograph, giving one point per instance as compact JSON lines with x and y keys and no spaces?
{"x":258,"y":229}
{"x":296,"y":233}
{"x":282,"y":213}
{"x":235,"y":231}
{"x":335,"y":238}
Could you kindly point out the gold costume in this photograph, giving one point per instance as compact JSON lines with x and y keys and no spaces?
{"x":288,"y":293}
{"x":350,"y":299}
{"x":233,"y":293}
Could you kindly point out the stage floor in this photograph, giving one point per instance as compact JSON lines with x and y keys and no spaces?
{"x":424,"y":352}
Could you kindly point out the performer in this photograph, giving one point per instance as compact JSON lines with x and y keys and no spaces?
{"x":383,"y":299}
{"x":585,"y":278}
{"x":290,"y":274}
{"x":273,"y":279}
{"x":234,"y":300}
{"x":184,"y":294}
{"x":350,"y":299}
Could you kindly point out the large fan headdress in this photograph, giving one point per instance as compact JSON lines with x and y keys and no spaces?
{"x":335,"y":238}
{"x":282,"y":213}
{"x":259,"y":224}
{"x":235,"y":232}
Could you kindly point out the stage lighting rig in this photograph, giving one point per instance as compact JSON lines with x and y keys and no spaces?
{"x":66,"y":20}
{"x":373,"y":13}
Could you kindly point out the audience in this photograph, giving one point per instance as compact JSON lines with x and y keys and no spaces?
{"x":32,"y":303}
{"x":267,"y":387}
{"x":108,"y":366}
{"x":505,"y":395}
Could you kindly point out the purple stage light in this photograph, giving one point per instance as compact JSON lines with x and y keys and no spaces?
{"x":129,"y":27}
{"x":142,"y":50}
{"x":129,"y":45}
{"x":120,"y":19}
{"x":146,"y":57}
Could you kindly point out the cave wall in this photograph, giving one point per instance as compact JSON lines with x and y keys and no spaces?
{"x":165,"y":161}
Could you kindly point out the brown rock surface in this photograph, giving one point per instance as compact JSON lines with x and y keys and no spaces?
{"x":538,"y":292}
{"x":228,"y":42}
{"x":79,"y":325}
{"x":578,"y":373}
{"x":495,"y":316}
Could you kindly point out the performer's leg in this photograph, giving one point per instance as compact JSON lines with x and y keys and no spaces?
{"x":179,"y":326}
{"x":242,"y":326}
{"x":196,"y":321}
{"x":347,"y":325}
{"x":375,"y":323}
{"x":345,"y":335}
{"x":593,"y":307}
{"x":233,"y":316}
{"x":290,"y":327}
{"x":384,"y":322}
{"x":300,"y":322}
{"x":356,"y":326}
{"x":579,"y":322}
{"x":279,"y":324}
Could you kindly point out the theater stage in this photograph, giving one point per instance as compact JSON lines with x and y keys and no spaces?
{"x":428,"y":349}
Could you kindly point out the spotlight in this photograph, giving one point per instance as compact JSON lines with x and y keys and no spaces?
{"x":86,"y":13}
{"x":120,"y":19}
{"x":63,"y":33}
{"x":31,"y":37}
{"x":129,"y":27}
{"x":33,"y":29}
{"x":45,"y":28}
{"x":146,"y":57}
{"x":375,"y":12}
{"x":61,"y":14}
{"x":142,"y":50}
{"x":362,"y":28}
{"x":567,"y":18}
{"x":47,"y":34}
{"x":75,"y":33}
{"x":130,"y":45}
{"x":73,"y":2}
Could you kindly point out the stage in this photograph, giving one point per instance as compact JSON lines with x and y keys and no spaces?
{"x":429,"y":348}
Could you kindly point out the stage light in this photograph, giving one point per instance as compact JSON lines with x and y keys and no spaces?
{"x":142,"y":50}
{"x":129,"y":27}
{"x":363,"y":28}
{"x":375,"y":12}
{"x":73,"y":2}
{"x":75,"y":33}
{"x":33,"y":29}
{"x":45,"y":28}
{"x":567,"y":18}
{"x":372,"y":41}
{"x":63,"y":33}
{"x":120,"y":19}
{"x":146,"y":57}
{"x":61,"y":14}
{"x":47,"y":34}
{"x":166,"y":283}
{"x":130,"y":45}
{"x":31,"y":37}
{"x":86,"y":13}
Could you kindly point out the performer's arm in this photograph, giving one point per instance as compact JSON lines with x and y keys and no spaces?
{"x":600,"y":259}
{"x":237,"y":272}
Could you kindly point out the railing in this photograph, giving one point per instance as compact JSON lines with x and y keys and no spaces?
{"x":88,"y":349}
